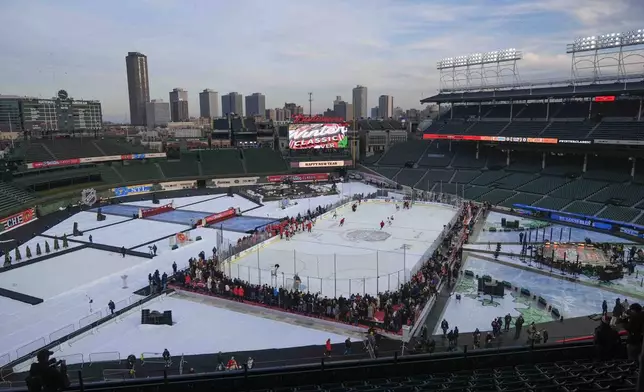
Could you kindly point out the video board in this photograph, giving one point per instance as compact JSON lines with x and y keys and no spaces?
{"x":317,"y":135}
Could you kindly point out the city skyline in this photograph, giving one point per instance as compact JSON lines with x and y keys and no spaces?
{"x":398,"y":60}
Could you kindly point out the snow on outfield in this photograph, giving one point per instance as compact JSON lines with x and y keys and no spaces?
{"x":357,"y":252}
{"x":9,"y":307}
{"x":33,"y":244}
{"x":134,"y":232}
{"x":86,"y":220}
{"x":222,"y":204}
{"x":178,"y":201}
{"x":238,"y":332}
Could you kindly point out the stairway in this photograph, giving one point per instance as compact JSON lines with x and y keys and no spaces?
{"x":160,"y":171}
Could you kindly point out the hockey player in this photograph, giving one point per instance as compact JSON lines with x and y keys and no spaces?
{"x":335,"y":214}
{"x":397,"y":207}
{"x":232,"y":364}
{"x":166,"y":358}
{"x":382,"y":224}
{"x":341,"y":222}
{"x":309,"y":225}
{"x":389,"y":221}
{"x":131,"y":361}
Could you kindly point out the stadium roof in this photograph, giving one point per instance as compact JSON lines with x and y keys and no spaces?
{"x":526,"y":93}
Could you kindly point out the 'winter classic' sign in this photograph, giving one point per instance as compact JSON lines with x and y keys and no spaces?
{"x":88,"y":197}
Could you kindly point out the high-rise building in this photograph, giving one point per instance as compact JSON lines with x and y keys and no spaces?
{"x":337,"y":99}
{"x":255,"y":105}
{"x":157,"y":113}
{"x":270,"y":114}
{"x":281,"y":114}
{"x":360,"y":101}
{"x":232,"y":103}
{"x":374,"y":112}
{"x":138,"y":86}
{"x":386,"y":106}
{"x":343,"y":110}
{"x":179,"y":105}
{"x":209,"y":103}
{"x":293,"y":109}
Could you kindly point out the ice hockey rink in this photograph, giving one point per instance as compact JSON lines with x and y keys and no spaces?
{"x":336,"y":260}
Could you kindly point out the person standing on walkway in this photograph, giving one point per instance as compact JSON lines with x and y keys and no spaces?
{"x":518,"y":325}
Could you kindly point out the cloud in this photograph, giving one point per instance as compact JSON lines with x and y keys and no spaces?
{"x":281,"y":48}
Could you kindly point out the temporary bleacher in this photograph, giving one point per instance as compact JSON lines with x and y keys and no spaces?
{"x":221,"y":162}
{"x":264,"y":160}
{"x":524,"y":129}
{"x":621,"y":214}
{"x":619,"y":194}
{"x":619,"y":130}
{"x":583,"y":207}
{"x":578,"y":189}
{"x":404,"y":152}
{"x":543,"y":185}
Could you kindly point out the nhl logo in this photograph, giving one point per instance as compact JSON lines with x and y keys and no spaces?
{"x":88,"y":197}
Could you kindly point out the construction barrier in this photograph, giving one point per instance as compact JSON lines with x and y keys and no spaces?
{"x":146,"y":212}
{"x":218,"y":217}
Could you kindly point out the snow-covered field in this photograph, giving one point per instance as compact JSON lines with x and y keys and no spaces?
{"x":134,"y":232}
{"x":226,"y":331}
{"x":86,"y":221}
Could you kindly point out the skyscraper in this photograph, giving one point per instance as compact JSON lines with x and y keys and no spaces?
{"x":232,"y":103}
{"x":158,"y":113}
{"x":386,"y":106}
{"x":255,"y":105}
{"x":360,"y":102}
{"x":138,"y":86}
{"x":209,"y":103}
{"x":344,"y":110}
{"x":179,"y":105}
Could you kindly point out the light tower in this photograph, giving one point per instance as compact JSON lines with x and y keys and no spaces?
{"x":476,"y":70}
{"x":310,"y":104}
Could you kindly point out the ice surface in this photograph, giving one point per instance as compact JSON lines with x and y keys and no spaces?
{"x":577,"y":235}
{"x":44,"y":279}
{"x":86,"y":221}
{"x":358,"y":255}
{"x":227,"y":331}
{"x":178,"y":201}
{"x":221,"y":204}
{"x":135,"y":232}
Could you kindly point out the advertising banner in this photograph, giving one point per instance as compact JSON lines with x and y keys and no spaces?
{"x":500,"y":139}
{"x":176,"y":185}
{"x":16,"y":220}
{"x":220,"y":216}
{"x":325,"y":135}
{"x":226,"y":182}
{"x":321,"y":164}
{"x":620,"y":142}
{"x":132,"y":190}
{"x":300,"y":177}
{"x":107,"y":158}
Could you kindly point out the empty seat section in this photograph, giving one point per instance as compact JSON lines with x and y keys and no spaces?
{"x":620,"y":214}
{"x":13,"y":196}
{"x":524,"y":129}
{"x":619,"y":194}
{"x":437,"y":155}
{"x":389,"y":172}
{"x":264,"y":160}
{"x":488,"y":177}
{"x":448,"y":188}
{"x":570,"y":110}
{"x":622,"y":108}
{"x":566,"y":165}
{"x":401,"y":153}
{"x":525,"y":161}
{"x":56,"y":175}
{"x":495,"y":196}
{"x":496,"y":159}
{"x":551,"y":203}
{"x":433,"y":176}
{"x":464,"y":111}
{"x":465,"y":176}
{"x":370,"y":160}
{"x":179,"y":169}
{"x":614,"y":130}
{"x":466,"y":158}
{"x":221,"y":162}
{"x":572,"y":130}
{"x":531,"y":110}
{"x":640,"y":220}
{"x":521,"y":198}
{"x":543,"y":185}
{"x":72,"y":148}
{"x":136,"y":171}
{"x":487,"y":128}
{"x":612,"y":169}
{"x":409,"y":177}
{"x":578,"y":189}
{"x":495,"y":111}
{"x":475,"y":192}
{"x":36,"y":152}
{"x":435,"y":127}
{"x":583,"y":207}
{"x":456,"y":127}
{"x":514,"y":180}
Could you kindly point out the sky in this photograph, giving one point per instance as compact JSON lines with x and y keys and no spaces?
{"x":284,"y":48}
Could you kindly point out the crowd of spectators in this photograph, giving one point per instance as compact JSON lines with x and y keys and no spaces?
{"x":394,"y":308}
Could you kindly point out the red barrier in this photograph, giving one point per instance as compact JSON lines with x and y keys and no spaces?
{"x":218,"y":217}
{"x":584,"y":338}
{"x":146,"y":212}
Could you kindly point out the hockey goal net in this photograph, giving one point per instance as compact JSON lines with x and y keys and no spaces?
{"x":180,"y":239}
